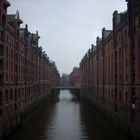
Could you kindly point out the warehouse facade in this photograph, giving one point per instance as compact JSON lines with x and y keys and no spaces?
{"x":110,"y":70}
{"x":27,"y":74}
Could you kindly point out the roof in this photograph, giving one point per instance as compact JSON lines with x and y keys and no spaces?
{"x":13,"y":17}
{"x":123,"y":15}
{"x":120,"y":17}
{"x":21,"y":34}
{"x":105,"y":33}
{"x":98,"y":41}
{"x":10,"y":18}
{"x":35,"y":37}
{"x":24,"y":32}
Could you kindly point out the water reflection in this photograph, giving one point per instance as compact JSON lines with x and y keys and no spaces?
{"x":64,"y":119}
{"x":65,"y":124}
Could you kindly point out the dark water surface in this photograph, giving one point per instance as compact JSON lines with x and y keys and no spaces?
{"x":66,"y":119}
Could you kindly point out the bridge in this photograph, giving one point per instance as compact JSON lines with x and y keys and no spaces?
{"x":74,"y":90}
{"x":67,"y":88}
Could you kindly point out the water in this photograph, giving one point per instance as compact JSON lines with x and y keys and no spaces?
{"x":66,"y":119}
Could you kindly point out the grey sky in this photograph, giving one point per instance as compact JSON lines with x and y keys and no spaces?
{"x":67,"y":27}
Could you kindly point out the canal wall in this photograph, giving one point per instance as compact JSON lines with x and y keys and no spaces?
{"x":126,"y":130}
{"x":25,"y":116}
{"x":32,"y":109}
{"x":76,"y":92}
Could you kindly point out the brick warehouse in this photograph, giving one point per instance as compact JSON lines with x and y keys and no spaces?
{"x":27,"y":75}
{"x":74,"y":77}
{"x":110,"y":71}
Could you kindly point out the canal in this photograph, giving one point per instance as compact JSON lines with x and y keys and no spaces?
{"x":66,"y":118}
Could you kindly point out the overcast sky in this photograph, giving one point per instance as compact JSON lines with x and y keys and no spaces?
{"x":67,"y":27}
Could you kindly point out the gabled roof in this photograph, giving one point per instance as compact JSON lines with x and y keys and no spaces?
{"x":11,"y":18}
{"x":105,"y":33}
{"x":120,"y":17}
{"x":24,"y":32}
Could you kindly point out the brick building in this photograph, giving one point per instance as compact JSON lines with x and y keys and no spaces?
{"x":110,"y":71}
{"x":27,"y":75}
{"x":134,"y":35}
{"x":3,"y":12}
{"x":75,"y":77}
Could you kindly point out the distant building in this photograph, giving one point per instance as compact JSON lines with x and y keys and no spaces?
{"x":64,"y":80}
{"x":75,"y":77}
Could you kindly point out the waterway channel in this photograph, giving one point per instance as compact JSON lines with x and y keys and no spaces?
{"x":66,"y":118}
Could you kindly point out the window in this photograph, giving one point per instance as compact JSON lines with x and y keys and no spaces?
{"x":139,"y":46}
{"x":6,"y":95}
{"x":126,"y":63}
{"x":23,"y":92}
{"x":2,"y":36}
{"x":126,"y":98}
{"x":119,"y":39}
{"x":0,"y":12}
{"x":15,"y":106}
{"x":6,"y":76}
{"x":0,"y":65}
{"x":19,"y":92}
{"x":126,"y":50}
{"x":0,"y":114}
{"x":0,"y":79}
{"x":1,"y":50}
{"x":0,"y":98}
{"x":120,"y":96}
{"x":120,"y":51}
{"x":126,"y":77}
{"x":139,"y":22}
{"x":11,"y":94}
{"x":3,"y":20}
{"x":15,"y":95}
{"x":125,"y":32}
